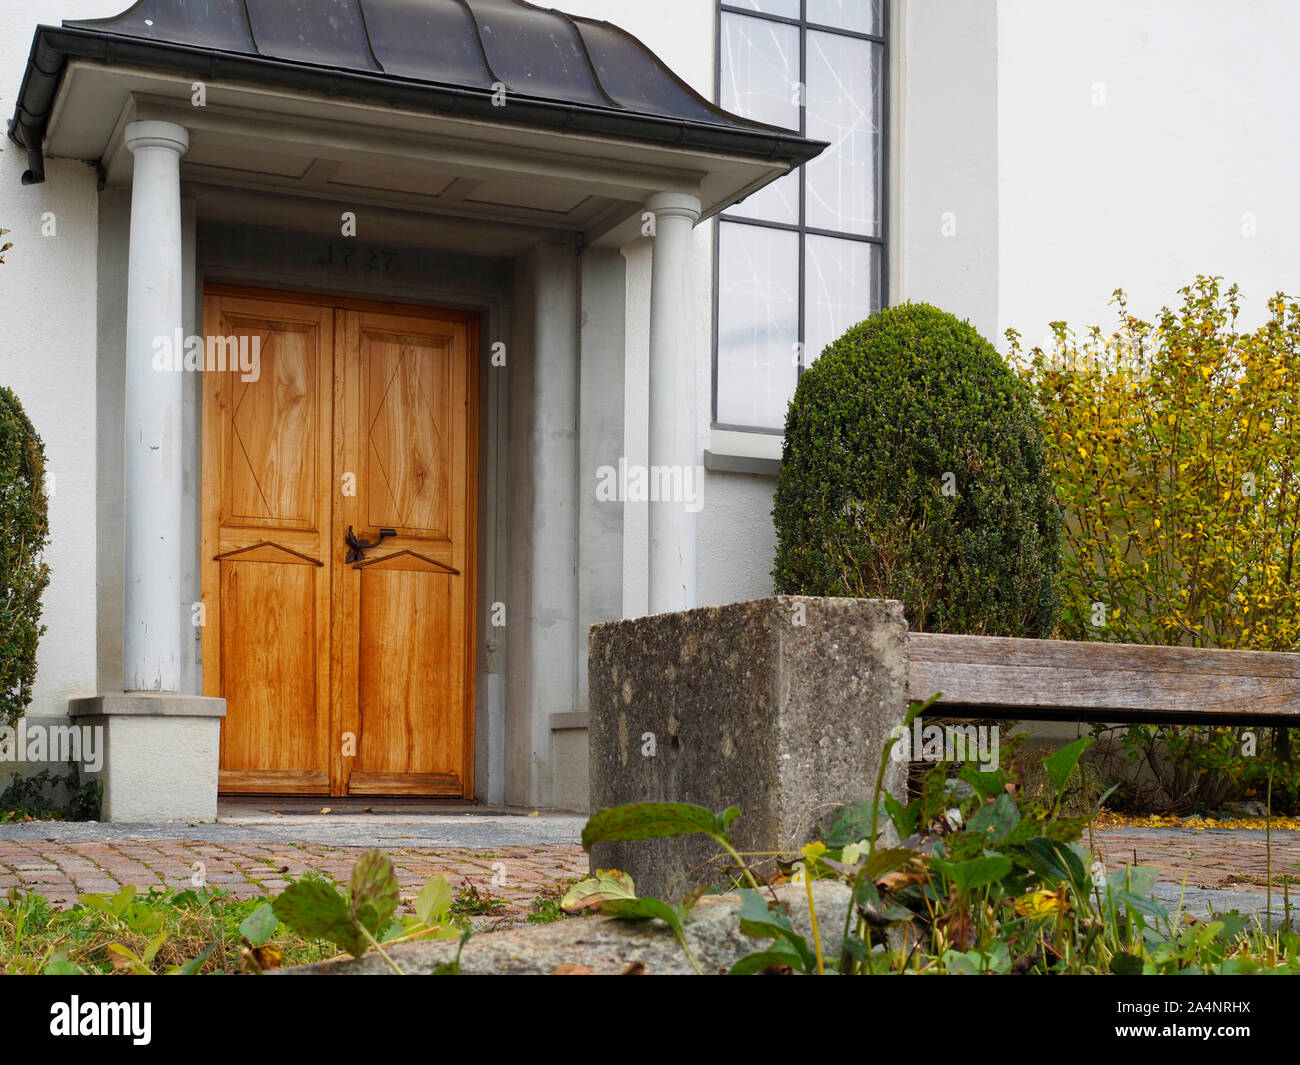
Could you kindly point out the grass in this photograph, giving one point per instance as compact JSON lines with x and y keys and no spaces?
{"x":34,"y":935}
{"x":545,"y":909}
{"x":469,"y":903}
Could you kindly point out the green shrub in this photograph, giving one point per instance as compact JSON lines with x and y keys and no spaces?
{"x":914,"y":469}
{"x":48,"y":796}
{"x":24,"y":532}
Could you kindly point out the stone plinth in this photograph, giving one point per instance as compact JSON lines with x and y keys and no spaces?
{"x":781,"y":706}
{"x":161,"y":754}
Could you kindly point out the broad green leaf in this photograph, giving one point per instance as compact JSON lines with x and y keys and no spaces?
{"x":192,"y":967}
{"x":1064,"y":829}
{"x":1136,"y":879}
{"x":434,"y":900}
{"x":120,"y":956}
{"x":759,"y":920}
{"x":974,"y":962}
{"x":59,"y":965}
{"x":112,"y":905}
{"x":691,"y":898}
{"x":903,"y":817}
{"x":888,"y":861}
{"x":374,"y":890}
{"x":1060,"y":861}
{"x":848,"y":824}
{"x":995,"y":820}
{"x":648,"y":820}
{"x":637,"y":909}
{"x":988,"y":785}
{"x":1234,"y":925}
{"x":975,"y":872}
{"x":1060,"y":764}
{"x":1148,"y":906}
{"x":1126,"y":965}
{"x":606,"y":886}
{"x":315,"y":910}
{"x":143,"y":918}
{"x":779,"y":953}
{"x":874,"y":910}
{"x":725,"y":818}
{"x":259,"y":926}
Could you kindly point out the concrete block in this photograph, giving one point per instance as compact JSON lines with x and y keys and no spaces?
{"x":161,"y":754}
{"x":569,"y":758}
{"x":781,"y":706}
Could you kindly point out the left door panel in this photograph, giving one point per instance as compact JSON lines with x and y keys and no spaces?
{"x":267,"y":423}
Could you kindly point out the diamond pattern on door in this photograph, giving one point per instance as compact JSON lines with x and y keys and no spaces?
{"x":408,"y":383}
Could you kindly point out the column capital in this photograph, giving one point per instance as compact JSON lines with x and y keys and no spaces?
{"x":157,"y":135}
{"x":675,"y":204}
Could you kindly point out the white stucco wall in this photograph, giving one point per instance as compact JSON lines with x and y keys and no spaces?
{"x":1135,"y":140}
{"x":47,"y":356}
{"x":944,"y":194}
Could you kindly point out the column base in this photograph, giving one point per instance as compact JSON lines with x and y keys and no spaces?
{"x":160,"y":754}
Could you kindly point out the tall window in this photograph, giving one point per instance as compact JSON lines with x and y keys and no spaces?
{"x":803,"y":259}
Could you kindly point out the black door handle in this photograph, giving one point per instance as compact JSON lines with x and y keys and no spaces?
{"x":357,"y":548}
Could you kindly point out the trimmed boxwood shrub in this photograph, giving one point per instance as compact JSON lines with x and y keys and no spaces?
{"x":914,"y":469}
{"x":24,"y":532}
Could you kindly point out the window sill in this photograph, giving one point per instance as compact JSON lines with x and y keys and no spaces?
{"x":731,"y":451}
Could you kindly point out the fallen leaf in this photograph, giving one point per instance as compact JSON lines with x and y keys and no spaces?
{"x":895,"y":881}
{"x":535,"y":813}
{"x":259,"y":959}
{"x":637,"y":968}
{"x":268,"y":957}
{"x":323,"y":810}
{"x":595,"y":891}
{"x":569,"y":969}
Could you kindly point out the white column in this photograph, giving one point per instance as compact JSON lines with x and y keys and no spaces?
{"x":151,"y":640}
{"x":673,"y":580}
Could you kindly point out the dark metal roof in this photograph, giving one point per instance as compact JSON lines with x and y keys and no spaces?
{"x":559,"y":71}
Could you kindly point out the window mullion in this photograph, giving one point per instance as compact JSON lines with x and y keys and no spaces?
{"x":803,"y":188}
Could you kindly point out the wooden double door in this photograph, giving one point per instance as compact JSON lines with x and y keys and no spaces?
{"x":347,"y":669}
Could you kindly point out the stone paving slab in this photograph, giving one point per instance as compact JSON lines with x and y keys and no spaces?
{"x":347,"y":829}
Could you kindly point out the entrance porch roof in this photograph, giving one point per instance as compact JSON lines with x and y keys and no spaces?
{"x":500,"y":72}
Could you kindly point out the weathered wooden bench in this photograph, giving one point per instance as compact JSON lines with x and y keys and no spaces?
{"x":1060,"y":680}
{"x":784,"y":705}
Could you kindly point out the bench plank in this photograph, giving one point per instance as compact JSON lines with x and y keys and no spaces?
{"x":1061,"y":680}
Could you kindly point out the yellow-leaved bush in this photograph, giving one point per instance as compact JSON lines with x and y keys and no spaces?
{"x":1176,"y":455}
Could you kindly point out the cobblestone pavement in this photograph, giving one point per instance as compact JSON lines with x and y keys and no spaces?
{"x":62,"y":870}
{"x":252,"y":858}
{"x":1231,"y":859}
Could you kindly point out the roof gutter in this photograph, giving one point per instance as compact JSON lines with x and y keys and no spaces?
{"x":53,"y":47}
